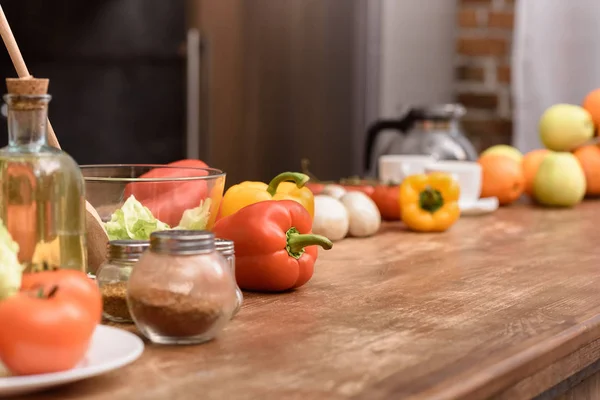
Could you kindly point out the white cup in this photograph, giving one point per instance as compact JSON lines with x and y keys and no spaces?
{"x":396,"y":167}
{"x":468,"y":175}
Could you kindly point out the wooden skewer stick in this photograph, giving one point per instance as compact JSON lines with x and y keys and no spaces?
{"x":17,"y":59}
{"x":97,"y":237}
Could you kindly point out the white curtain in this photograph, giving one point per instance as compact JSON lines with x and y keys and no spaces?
{"x":556,"y":59}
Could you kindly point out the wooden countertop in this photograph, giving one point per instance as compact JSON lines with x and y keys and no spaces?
{"x":505,"y":306}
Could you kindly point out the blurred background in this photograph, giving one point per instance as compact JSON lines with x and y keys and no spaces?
{"x":252,"y":87}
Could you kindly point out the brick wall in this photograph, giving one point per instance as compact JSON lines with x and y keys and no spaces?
{"x":483,"y":50}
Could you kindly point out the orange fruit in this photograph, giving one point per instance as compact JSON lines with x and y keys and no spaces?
{"x":592,"y":104}
{"x":531,"y":163}
{"x":501,"y":177}
{"x":589,"y":158}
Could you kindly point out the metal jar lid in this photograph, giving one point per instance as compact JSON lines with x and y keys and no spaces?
{"x":225,"y":247}
{"x":182,"y":242}
{"x":130,"y":250}
{"x":440,"y":112}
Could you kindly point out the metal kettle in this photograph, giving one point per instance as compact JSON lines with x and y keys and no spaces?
{"x":430,"y":130}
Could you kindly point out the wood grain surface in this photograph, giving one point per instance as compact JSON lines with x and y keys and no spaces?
{"x":505,"y":305}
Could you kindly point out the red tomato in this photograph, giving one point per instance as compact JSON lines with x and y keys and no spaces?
{"x":315,"y":187}
{"x":48,"y":325}
{"x":355,"y":184}
{"x":386,"y":197}
{"x":84,"y":290}
{"x":366,"y":189}
{"x":148,"y":190}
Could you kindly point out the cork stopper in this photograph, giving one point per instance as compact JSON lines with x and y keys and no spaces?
{"x":27,"y":86}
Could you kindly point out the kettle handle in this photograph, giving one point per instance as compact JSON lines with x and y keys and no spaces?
{"x":399,"y":125}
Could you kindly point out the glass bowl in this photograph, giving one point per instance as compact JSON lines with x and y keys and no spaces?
{"x":174,"y":195}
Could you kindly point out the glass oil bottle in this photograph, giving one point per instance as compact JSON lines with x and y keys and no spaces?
{"x":42,"y":199}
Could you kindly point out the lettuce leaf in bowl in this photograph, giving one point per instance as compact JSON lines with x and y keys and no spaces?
{"x":11,"y":269}
{"x":196,"y":218}
{"x":133,"y":221}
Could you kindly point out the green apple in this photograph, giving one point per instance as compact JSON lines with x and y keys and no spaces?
{"x":563,"y":127}
{"x":559,"y":181}
{"x":504,"y":150}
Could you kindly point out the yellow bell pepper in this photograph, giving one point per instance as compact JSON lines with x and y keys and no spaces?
{"x":246,"y":193}
{"x":429,"y":203}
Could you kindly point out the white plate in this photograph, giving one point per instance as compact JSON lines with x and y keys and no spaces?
{"x":482,"y":206}
{"x":111,"y":348}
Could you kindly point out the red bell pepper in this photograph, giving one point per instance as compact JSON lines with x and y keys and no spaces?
{"x":187,"y":162}
{"x":275,"y":249}
{"x":172,"y":172}
{"x":178,"y":169}
{"x":169,"y":207}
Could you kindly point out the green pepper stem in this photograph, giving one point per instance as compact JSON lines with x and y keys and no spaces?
{"x":298,"y":178}
{"x":431,"y":199}
{"x":296,"y":242}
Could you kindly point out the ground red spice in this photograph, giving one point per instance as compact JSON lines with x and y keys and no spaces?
{"x":114,"y":302}
{"x":173,"y":314}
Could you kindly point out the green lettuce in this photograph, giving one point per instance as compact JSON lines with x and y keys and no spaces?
{"x":133,"y":221}
{"x":11,"y":269}
{"x":195,"y":218}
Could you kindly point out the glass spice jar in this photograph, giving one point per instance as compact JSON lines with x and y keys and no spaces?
{"x":182,"y":290}
{"x":227,"y":250}
{"x":113,"y":274}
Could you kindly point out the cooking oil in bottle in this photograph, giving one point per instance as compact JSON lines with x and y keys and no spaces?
{"x":42,"y":199}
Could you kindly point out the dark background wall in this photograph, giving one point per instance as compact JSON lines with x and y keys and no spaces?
{"x":117,"y":74}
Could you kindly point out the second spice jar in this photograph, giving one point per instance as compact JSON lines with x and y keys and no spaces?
{"x":113,"y":274}
{"x":227,"y":250}
{"x":182,"y":290}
